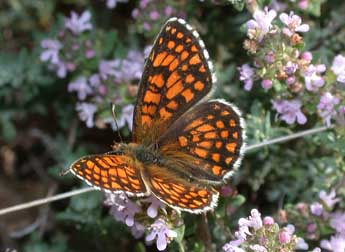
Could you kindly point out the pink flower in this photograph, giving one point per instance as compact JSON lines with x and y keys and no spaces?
{"x":338,"y":67}
{"x":162,"y":233}
{"x":284,"y":237}
{"x":290,"y":111}
{"x":291,"y":68}
{"x":326,"y":107}
{"x":329,"y":199}
{"x":261,"y":24}
{"x":267,"y":84}
{"x":247,"y":76}
{"x":78,"y":24}
{"x":268,"y":221}
{"x":313,"y":80}
{"x":307,"y":56}
{"x":293,"y":23}
{"x":303,"y":4}
{"x":86,"y":112}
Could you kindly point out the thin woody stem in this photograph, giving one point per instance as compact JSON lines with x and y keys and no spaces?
{"x":84,"y":190}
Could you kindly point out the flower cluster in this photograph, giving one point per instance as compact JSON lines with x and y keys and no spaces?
{"x":153,"y":223}
{"x":262,"y":235}
{"x":150,"y":14}
{"x":289,"y":73}
{"x":115,"y":81}
{"x":321,"y":217}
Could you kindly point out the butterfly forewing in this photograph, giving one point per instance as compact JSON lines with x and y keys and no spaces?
{"x":111,"y":173}
{"x":177,"y":75}
{"x":213,"y":133}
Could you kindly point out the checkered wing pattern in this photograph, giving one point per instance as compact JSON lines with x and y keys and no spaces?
{"x":212,"y":133}
{"x":176,"y":76}
{"x":179,"y":193}
{"x":110,"y":173}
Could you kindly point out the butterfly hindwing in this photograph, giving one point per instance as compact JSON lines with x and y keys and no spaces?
{"x":176,"y":76}
{"x":212,"y":133}
{"x":111,"y":173}
{"x":180,"y":193}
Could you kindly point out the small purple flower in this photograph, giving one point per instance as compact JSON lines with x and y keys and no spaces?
{"x":291,"y":80}
{"x":329,"y":199}
{"x":313,"y":80}
{"x":154,"y":15}
{"x":111,"y":4}
{"x":60,"y":68}
{"x":86,"y":112}
{"x":290,"y":111}
{"x":338,"y":67}
{"x":78,"y":24}
{"x":127,"y":116}
{"x":122,"y":208}
{"x":326,"y":107}
{"x":316,"y":209}
{"x":335,"y":244}
{"x":108,"y":68}
{"x":311,"y":228}
{"x":233,"y":246}
{"x":81,"y":87}
{"x":152,"y":210}
{"x":168,"y":11}
{"x":290,"y":68}
{"x":293,"y":23}
{"x":267,"y":84}
{"x":247,"y":76}
{"x":257,"y":248}
{"x":338,"y":222}
{"x":161,"y":231}
{"x":95,"y":80}
{"x":301,"y":244}
{"x":254,"y":221}
{"x":51,"y":52}
{"x":270,"y":57}
{"x":135,"y":13}
{"x":261,"y":24}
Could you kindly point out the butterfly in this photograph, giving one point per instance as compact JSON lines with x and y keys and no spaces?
{"x":184,"y":148}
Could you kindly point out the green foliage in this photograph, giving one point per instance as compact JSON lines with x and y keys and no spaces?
{"x":40,"y":126}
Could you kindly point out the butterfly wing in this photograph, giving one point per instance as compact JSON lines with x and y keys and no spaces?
{"x":178,"y":192}
{"x":111,"y":173}
{"x":211,"y":136}
{"x":176,"y":76}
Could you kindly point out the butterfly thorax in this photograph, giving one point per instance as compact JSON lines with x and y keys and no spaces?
{"x":139,"y":152}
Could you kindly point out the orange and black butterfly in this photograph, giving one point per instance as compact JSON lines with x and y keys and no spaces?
{"x":183,"y":148}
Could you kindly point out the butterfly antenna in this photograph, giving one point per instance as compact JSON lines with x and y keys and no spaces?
{"x":116,"y":125}
{"x":64,"y":172}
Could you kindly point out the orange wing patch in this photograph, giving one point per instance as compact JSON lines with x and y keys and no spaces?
{"x":111,"y":173}
{"x":177,"y":75}
{"x":212,"y":133}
